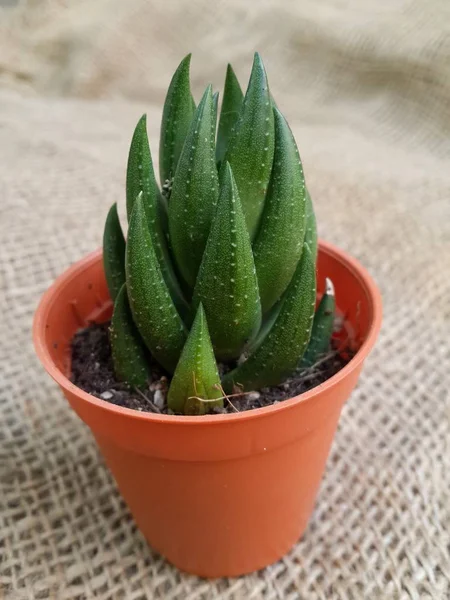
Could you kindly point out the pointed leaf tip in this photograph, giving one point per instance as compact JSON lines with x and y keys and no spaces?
{"x":140,"y":173}
{"x":195,"y":386}
{"x":113,"y":252}
{"x":257,"y":58}
{"x":215,"y":100}
{"x":329,"y":287}
{"x":178,"y":110}
{"x":229,"y":114}
{"x":250,"y":150}
{"x":322,"y":328}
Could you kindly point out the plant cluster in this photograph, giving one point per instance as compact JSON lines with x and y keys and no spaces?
{"x":219,"y":264}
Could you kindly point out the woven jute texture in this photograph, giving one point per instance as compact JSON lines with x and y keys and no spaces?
{"x":366,"y":89}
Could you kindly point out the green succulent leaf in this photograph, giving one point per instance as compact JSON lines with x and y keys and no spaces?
{"x":141,"y":180}
{"x":195,"y":191}
{"x":154,"y":312}
{"x":128,"y":351}
{"x":311,"y":227}
{"x":140,"y":173}
{"x":322,"y":328}
{"x":284,"y":345}
{"x":178,"y":111}
{"x":250,"y":151}
{"x":266,"y":325}
{"x":113,"y":253}
{"x":215,"y":100}
{"x":229,"y":114}
{"x":278,"y":245}
{"x":195,"y":387}
{"x":226,"y":284}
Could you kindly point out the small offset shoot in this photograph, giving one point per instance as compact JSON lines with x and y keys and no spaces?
{"x":322,"y":328}
{"x":215,"y":284}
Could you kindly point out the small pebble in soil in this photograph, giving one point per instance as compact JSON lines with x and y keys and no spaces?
{"x":93,"y":372}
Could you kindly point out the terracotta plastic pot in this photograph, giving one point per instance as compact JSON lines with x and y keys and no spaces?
{"x":221,"y":494}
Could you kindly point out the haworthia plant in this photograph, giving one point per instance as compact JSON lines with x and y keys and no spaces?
{"x":242,"y":245}
{"x":250,"y":149}
{"x":128,"y":351}
{"x":195,"y":387}
{"x":322,"y":328}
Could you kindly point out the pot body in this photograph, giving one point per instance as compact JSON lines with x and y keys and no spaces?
{"x":218,"y":495}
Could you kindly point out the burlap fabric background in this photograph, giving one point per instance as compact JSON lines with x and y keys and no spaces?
{"x":366,"y":88}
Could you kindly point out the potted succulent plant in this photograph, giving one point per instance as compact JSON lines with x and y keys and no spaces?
{"x":212,"y":302}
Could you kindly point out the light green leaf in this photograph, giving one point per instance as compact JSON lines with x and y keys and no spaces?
{"x":195,"y":387}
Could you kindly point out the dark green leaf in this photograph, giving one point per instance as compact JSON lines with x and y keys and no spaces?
{"x":140,"y":173}
{"x":311,"y":227}
{"x":195,"y":191}
{"x":226,"y":283}
{"x":178,"y":111}
{"x":279,"y":242}
{"x":141,"y":180}
{"x":250,"y":151}
{"x":284,"y":345}
{"x":322,"y":328}
{"x":229,"y":114}
{"x":152,"y":307}
{"x":113,"y":253}
{"x":215,"y":100}
{"x":128,"y":352}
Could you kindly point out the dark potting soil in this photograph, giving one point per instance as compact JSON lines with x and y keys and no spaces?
{"x":93,"y":372}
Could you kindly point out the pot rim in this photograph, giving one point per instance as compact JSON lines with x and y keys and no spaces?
{"x":51,"y":295}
